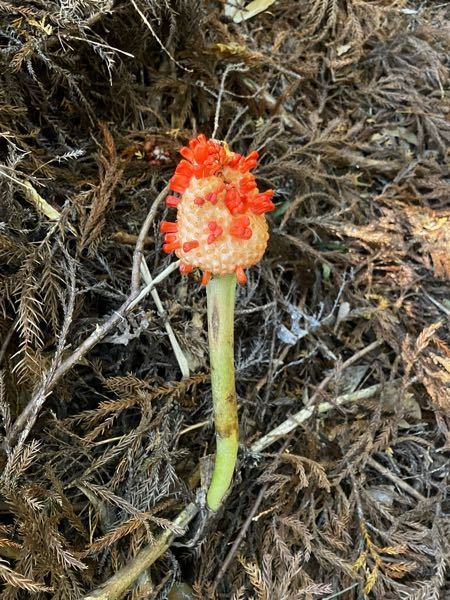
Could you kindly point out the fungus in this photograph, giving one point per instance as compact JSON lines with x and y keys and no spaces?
{"x":221,"y":229}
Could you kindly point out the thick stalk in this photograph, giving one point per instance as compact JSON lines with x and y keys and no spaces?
{"x":220,"y":293}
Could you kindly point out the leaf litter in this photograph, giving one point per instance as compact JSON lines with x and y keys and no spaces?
{"x":344,"y":326}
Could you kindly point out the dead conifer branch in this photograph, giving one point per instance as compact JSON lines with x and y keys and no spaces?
{"x":295,"y":420}
{"x":303,"y":415}
{"x":25,"y":421}
{"x":157,"y":38}
{"x":345,"y":103}
{"x":116,"y":586}
{"x":27,"y":417}
{"x":101,"y":200}
{"x":17,"y":580}
{"x":23,"y":425}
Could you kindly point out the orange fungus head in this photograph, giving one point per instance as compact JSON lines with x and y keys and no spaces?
{"x":220,"y":226}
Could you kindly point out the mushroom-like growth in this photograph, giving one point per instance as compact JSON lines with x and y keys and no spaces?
{"x":221,"y":229}
{"x":220,"y":226}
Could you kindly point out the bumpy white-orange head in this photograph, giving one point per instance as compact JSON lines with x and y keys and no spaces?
{"x":220,"y":226}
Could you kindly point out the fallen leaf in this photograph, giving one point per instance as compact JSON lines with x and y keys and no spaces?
{"x":251,"y":10}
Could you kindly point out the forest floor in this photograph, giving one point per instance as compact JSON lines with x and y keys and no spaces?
{"x":342,"y":331}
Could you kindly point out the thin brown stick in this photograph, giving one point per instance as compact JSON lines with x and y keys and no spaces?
{"x":237,"y":542}
{"x":140,"y":243}
{"x":397,"y":480}
{"x":354,"y":358}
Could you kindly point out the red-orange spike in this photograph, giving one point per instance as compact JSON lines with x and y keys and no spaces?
{"x":183,"y":174}
{"x":190,"y":245}
{"x":206,"y":277}
{"x":168,"y":227}
{"x":171,"y":247}
{"x":233,"y":159}
{"x":248,"y":162}
{"x":247,"y":183}
{"x":234,"y":201}
{"x":240,"y":275}
{"x":200,"y":139}
{"x":186,"y":268}
{"x":201,"y":152}
{"x":187,"y":153}
{"x":199,"y":201}
{"x":173,"y":201}
{"x":262,"y":203}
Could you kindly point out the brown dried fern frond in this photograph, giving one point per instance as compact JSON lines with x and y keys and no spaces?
{"x":19,"y":461}
{"x":30,"y":316}
{"x":93,"y":212}
{"x":33,"y":297}
{"x":132,"y":392}
{"x":12,"y":251}
{"x":129,"y":527}
{"x":16,"y":581}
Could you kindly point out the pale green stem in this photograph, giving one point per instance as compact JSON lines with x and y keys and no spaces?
{"x":220,"y":293}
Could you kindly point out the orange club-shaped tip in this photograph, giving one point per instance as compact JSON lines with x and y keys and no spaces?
{"x":240,"y":275}
{"x":173,"y":201}
{"x":206,"y":277}
{"x":185,"y":268}
{"x":168,"y":227}
{"x":190,"y":245}
{"x":171,"y":247}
